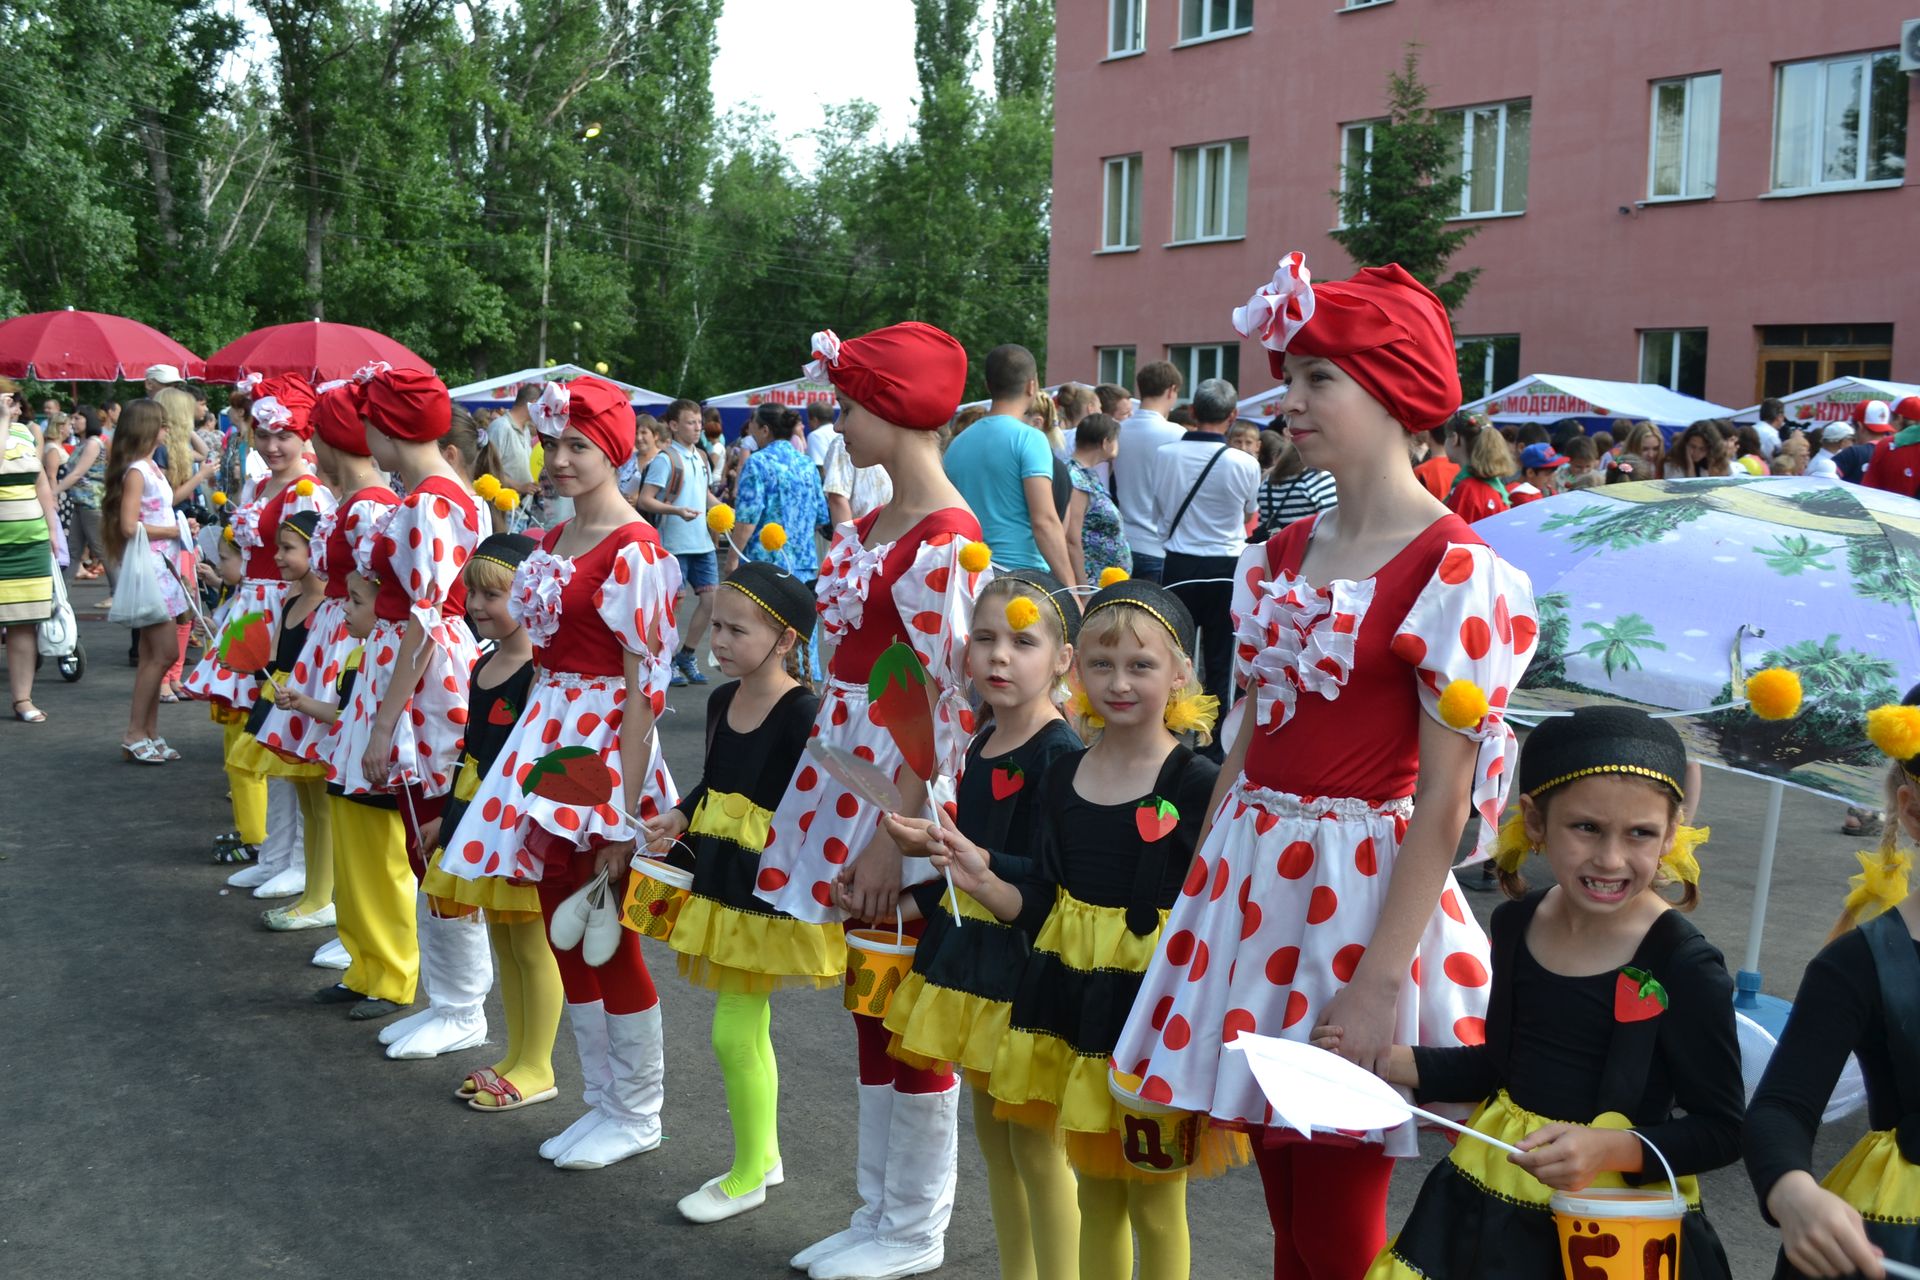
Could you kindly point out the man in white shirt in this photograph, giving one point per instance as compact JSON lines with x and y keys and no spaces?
{"x":680,"y":477}
{"x":1130,"y":477}
{"x":511,"y":435}
{"x":821,"y":433}
{"x":1836,"y":436}
{"x":1203,"y":491}
{"x":852,"y":491}
{"x":1769,"y":426}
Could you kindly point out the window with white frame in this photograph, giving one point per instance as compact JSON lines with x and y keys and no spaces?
{"x":1675,"y":359}
{"x":1492,"y":150}
{"x":1210,"y":192}
{"x":1487,"y":363}
{"x":1120,"y":204}
{"x":1115,"y":365}
{"x":1206,"y":360}
{"x":1839,"y":122}
{"x":1126,"y":26}
{"x":1203,"y":19}
{"x":1356,"y":151}
{"x":1683,"y":154}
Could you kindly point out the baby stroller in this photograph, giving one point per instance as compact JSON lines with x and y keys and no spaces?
{"x":60,"y":634}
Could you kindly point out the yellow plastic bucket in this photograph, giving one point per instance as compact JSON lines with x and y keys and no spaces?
{"x":877,"y":963}
{"x":1153,"y":1138}
{"x":655,"y":893}
{"x":1619,"y":1233}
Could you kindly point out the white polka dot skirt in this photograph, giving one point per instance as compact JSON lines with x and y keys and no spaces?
{"x":427,"y":739}
{"x":1272,"y":922}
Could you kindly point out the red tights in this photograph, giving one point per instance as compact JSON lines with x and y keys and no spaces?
{"x":1337,"y":1196}
{"x":623,"y":982}
{"x":876,"y":1067}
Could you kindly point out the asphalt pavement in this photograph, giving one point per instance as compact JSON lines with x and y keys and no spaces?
{"x":175,"y":1106}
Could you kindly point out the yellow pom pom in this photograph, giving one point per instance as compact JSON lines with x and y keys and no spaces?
{"x":1774,"y":694}
{"x":772,"y":537}
{"x":1113,"y":573}
{"x":506,"y":500}
{"x":303,"y":487}
{"x":1895,"y":729}
{"x":487,"y":486}
{"x":219,"y":497}
{"x":1022,"y":613}
{"x":1462,"y":705}
{"x":975,"y":557}
{"x":600,"y":366}
{"x":227,"y":533}
{"x":719,"y":518}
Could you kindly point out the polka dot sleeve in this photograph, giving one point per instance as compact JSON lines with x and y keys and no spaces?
{"x":935,"y":598}
{"x":635,"y":600}
{"x":432,"y":538}
{"x":320,"y":501}
{"x":360,"y":526}
{"x":1474,"y":622}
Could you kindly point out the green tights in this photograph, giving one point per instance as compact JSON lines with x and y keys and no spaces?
{"x":743,"y":1045}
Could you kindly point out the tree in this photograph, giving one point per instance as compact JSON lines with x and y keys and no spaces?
{"x":1618,"y":647}
{"x":1396,"y":204}
{"x":1841,"y":686}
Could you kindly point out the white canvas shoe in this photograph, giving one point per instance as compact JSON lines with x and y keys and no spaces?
{"x":456,"y":971}
{"x":332,"y":955}
{"x":869,"y":1178}
{"x":589,"y":1023}
{"x":923,"y":1149}
{"x":630,"y":1105}
{"x":290,"y":883}
{"x":712,"y":1204}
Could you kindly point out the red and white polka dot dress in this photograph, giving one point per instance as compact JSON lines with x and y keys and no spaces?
{"x":584,"y":613}
{"x":417,"y":553}
{"x":256,"y":526}
{"x":340,"y":531}
{"x":913,"y":589}
{"x":1292,"y":878}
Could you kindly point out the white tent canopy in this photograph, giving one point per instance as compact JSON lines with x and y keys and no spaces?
{"x":1544,"y":397}
{"x":1834,"y":401}
{"x":796,"y":393}
{"x":499,"y":392}
{"x":1263,"y":408}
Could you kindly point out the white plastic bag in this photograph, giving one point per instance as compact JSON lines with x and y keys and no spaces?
{"x":137,"y":601}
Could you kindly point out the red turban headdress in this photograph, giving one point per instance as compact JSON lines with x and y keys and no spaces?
{"x":336,"y":417}
{"x":284,"y":402}
{"x":592,"y":406}
{"x":1385,"y":329}
{"x":909,"y":374}
{"x":405,"y":404}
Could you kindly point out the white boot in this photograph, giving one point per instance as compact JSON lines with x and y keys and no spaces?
{"x":332,"y":955}
{"x":456,"y":968}
{"x":869,"y":1178}
{"x":589,"y":1023}
{"x":923,"y":1150}
{"x":630,"y":1105}
{"x":283,"y":857}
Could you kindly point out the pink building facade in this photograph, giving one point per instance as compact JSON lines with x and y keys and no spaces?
{"x":1713,"y":195}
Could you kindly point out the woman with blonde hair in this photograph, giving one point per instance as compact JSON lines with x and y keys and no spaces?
{"x":1647,"y":448}
{"x":176,"y":455}
{"x":140,"y":497}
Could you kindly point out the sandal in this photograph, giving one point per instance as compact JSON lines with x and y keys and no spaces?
{"x":169,"y":696}
{"x":32,"y":714}
{"x":226,"y":855}
{"x":507,"y":1098}
{"x":474,"y":1083}
{"x":1861,"y":822}
{"x":141,"y":752}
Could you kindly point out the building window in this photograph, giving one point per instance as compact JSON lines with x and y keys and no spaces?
{"x":1684,"y":155}
{"x":1116,"y":365}
{"x":1675,"y":359}
{"x":1198,"y":363}
{"x":1126,"y":27}
{"x":1492,"y":151}
{"x":1210,"y":192}
{"x":1356,"y":150}
{"x":1794,"y":357}
{"x":1120,"y":212}
{"x":1840,"y":122}
{"x":1487,"y":364}
{"x":1204,"y":19}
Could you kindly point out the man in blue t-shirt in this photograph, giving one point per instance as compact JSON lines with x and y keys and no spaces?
{"x":679,"y":482}
{"x":1003,"y":467}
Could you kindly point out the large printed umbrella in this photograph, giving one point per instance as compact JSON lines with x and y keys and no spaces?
{"x":1664,"y":593}
{"x":317,"y":350}
{"x":87,"y":346}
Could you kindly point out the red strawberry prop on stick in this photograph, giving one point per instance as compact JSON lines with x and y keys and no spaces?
{"x":900,"y":697}
{"x":246,"y":646}
{"x":1638,"y":996}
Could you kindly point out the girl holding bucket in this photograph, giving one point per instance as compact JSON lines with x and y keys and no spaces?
{"x":1608,"y":1010}
{"x":953,"y":1005}
{"x":908,"y":571}
{"x":1861,"y":995}
{"x":729,"y":941}
{"x":1116,"y":830}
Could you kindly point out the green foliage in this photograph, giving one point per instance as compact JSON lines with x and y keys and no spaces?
{"x":1618,"y":647}
{"x":424,"y":169}
{"x":1396,"y":206}
{"x":1841,"y":686}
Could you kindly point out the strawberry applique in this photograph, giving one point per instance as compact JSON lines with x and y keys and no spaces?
{"x":504,"y":713}
{"x":1008,"y":779}
{"x":1638,"y":996}
{"x":570,"y":775}
{"x":1156,"y":818}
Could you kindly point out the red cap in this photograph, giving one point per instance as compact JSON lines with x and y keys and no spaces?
{"x":406,"y":404}
{"x":909,"y":374}
{"x":1875,"y":415}
{"x":336,"y":418}
{"x":1909,"y":409}
{"x":1385,"y":329}
{"x":592,"y":406}
{"x":284,"y":402}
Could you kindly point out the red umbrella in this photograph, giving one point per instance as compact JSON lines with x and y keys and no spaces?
{"x":86,"y":346}
{"x":316,"y":349}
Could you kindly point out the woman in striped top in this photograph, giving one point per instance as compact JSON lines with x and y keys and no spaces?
{"x":1290,"y":492}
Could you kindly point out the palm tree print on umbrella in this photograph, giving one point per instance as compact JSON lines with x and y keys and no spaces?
{"x":1636,"y":524}
{"x":1619,"y":645}
{"x":1841,"y":686}
{"x":1884,"y":569}
{"x":1549,"y":665}
{"x":1791,"y":556}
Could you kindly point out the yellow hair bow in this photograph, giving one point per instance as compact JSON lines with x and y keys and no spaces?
{"x":1678,"y":861}
{"x":1881,"y":884}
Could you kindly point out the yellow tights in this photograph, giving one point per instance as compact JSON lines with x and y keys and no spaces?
{"x":1113,"y":1211}
{"x":530,"y":992}
{"x":373,"y":890}
{"x":316,"y":825}
{"x":1036,"y":1218}
{"x":249,"y":791}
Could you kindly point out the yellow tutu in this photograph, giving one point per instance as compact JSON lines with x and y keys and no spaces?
{"x":504,"y":901}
